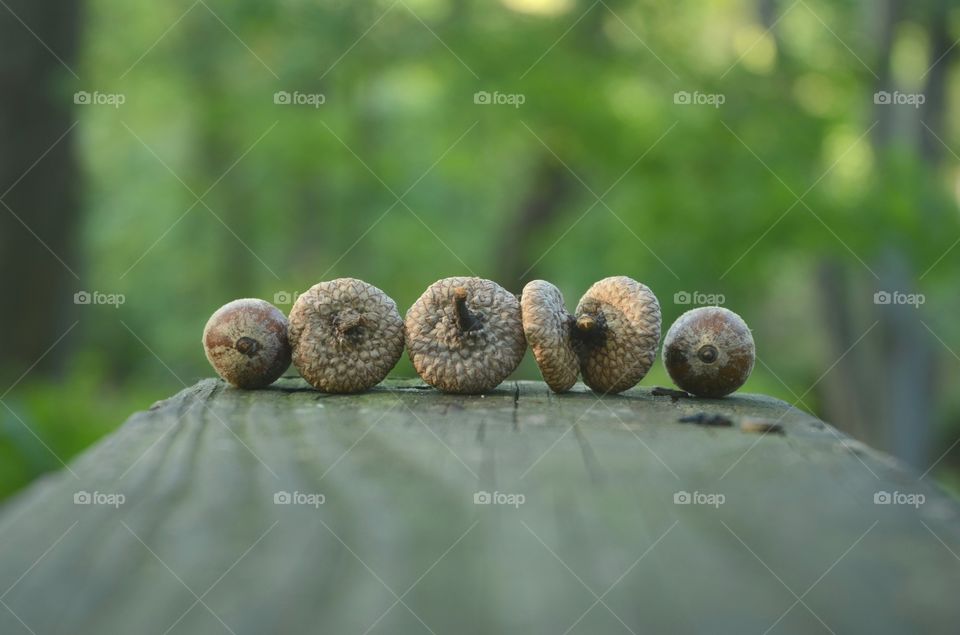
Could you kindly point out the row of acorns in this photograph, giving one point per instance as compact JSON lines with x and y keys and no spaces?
{"x":466,"y":335}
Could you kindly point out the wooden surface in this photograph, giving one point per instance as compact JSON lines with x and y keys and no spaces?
{"x":398,"y":545}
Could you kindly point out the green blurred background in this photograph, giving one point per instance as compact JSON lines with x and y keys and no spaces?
{"x":183,"y":154}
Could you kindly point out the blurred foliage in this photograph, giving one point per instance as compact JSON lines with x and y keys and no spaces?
{"x":700,"y":198}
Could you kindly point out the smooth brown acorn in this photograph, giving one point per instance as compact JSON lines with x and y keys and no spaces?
{"x":346,"y":335}
{"x":246,"y":343}
{"x":465,"y":335}
{"x":709,"y":351}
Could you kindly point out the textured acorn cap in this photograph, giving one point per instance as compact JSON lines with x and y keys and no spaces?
{"x":547,"y":325}
{"x":618,"y":324}
{"x":346,"y":335}
{"x":246,"y":343}
{"x":709,"y":351}
{"x":465,"y":335}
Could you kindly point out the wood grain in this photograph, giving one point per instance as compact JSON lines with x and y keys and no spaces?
{"x":398,"y":545}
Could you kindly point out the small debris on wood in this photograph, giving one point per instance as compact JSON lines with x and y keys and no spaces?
{"x":705,"y":419}
{"x":761,"y":426}
{"x":675,"y":395}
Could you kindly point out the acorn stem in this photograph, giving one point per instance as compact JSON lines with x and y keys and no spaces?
{"x":466,"y":321}
{"x":586,"y":323}
{"x":589,"y":327}
{"x":347,"y":321}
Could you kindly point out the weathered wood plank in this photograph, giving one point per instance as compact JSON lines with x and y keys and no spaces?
{"x":398,"y":545}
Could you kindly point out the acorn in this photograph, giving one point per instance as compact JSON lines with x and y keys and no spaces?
{"x":709,"y":351}
{"x":346,"y":335}
{"x":616,"y":333}
{"x":547,"y":326}
{"x":465,"y":335}
{"x":246,"y":343}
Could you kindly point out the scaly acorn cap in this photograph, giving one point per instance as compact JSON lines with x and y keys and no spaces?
{"x":465,"y":335}
{"x":346,"y":335}
{"x":616,"y":333}
{"x":246,"y":343}
{"x":709,"y":351}
{"x":547,"y":326}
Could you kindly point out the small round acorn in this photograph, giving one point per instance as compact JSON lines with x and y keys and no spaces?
{"x":246,"y":343}
{"x":616,"y":333}
{"x":465,"y":335}
{"x":547,"y":326}
{"x":709,"y":351}
{"x":346,"y":335}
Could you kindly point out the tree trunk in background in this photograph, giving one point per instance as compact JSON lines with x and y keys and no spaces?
{"x":36,"y":110}
{"x":888,"y":13}
{"x":550,"y":181}
{"x":217,"y":151}
{"x":842,"y":393}
{"x":909,"y":361}
{"x":941,"y":48}
{"x":226,"y":202}
{"x":550,"y":185}
{"x":886,"y":391}
{"x":883,"y":389}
